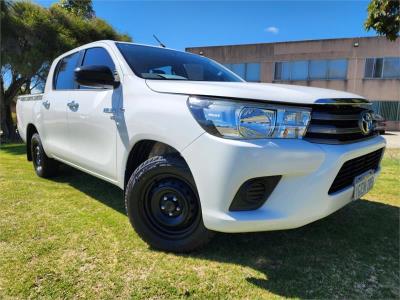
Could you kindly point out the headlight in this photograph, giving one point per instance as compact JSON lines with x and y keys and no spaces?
{"x":247,"y":120}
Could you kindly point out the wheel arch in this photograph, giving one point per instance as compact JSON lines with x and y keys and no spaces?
{"x":143,"y":150}
{"x":30,"y":131}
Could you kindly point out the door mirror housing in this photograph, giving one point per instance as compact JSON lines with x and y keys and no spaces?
{"x":96,"y":76}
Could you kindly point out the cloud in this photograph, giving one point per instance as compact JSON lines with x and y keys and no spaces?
{"x":272,"y":29}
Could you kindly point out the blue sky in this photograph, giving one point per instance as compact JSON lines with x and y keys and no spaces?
{"x":181,"y":24}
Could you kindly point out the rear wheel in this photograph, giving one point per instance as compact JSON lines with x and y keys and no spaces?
{"x":44,"y":166}
{"x":163,"y":206}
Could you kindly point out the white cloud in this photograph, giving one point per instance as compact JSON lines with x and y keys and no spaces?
{"x":272,"y":29}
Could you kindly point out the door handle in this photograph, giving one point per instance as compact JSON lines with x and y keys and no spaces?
{"x":73,"y":105}
{"x":46,"y":104}
{"x":112,"y":111}
{"x":109,"y":110}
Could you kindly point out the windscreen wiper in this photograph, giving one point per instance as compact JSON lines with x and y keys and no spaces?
{"x":162,"y":76}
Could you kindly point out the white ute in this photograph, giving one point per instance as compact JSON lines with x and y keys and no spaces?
{"x":195,"y":148}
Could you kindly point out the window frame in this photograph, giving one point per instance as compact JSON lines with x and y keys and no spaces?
{"x":245,"y":64}
{"x":82,"y":53}
{"x":372,"y":69}
{"x":308,"y":78}
{"x":326,"y":61}
{"x":80,"y":64}
{"x":329,"y":63}
{"x":299,"y":62}
{"x":259,"y":71}
{"x":57,"y":70}
{"x":239,"y":65}
{"x":381,"y":77}
{"x":385,"y":59}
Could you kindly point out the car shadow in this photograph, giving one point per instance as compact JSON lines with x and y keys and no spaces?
{"x":15,"y":149}
{"x":353,"y":253}
{"x":98,"y":189}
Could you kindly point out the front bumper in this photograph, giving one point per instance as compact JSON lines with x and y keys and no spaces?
{"x":221,"y":166}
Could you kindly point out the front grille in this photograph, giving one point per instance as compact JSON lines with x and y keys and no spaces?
{"x":354,"y":167}
{"x":336,"y":124}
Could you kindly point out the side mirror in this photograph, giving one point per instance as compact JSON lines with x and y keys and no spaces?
{"x":95,"y":76}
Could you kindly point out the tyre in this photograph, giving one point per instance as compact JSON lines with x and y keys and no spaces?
{"x":163,"y":205}
{"x":44,"y":166}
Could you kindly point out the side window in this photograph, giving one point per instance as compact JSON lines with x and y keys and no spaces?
{"x":64,"y":77}
{"x":98,"y":56}
{"x":95,"y":57}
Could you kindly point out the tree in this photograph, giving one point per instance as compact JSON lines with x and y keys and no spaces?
{"x":29,"y":38}
{"x":32,"y":36}
{"x":384,"y":18}
{"x":81,"y":8}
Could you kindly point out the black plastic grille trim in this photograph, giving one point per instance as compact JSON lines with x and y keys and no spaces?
{"x":355,"y":167}
{"x":253,"y":193}
{"x":336,"y":124}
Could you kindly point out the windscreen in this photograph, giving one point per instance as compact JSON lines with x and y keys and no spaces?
{"x":164,"y":64}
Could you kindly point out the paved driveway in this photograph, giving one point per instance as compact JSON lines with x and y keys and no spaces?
{"x":392,"y":139}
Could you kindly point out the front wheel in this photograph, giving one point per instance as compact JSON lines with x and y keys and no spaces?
{"x":163,"y":205}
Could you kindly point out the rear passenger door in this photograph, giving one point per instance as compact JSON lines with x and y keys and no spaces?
{"x":92,"y":131}
{"x":54,"y":133}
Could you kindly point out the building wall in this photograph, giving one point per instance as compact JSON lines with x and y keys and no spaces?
{"x":355,"y":50}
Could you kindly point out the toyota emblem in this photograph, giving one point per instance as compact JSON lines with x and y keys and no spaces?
{"x":365,"y":122}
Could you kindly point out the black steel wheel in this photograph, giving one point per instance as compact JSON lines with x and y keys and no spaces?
{"x":163,"y":206}
{"x":44,"y":166}
{"x":170,"y":206}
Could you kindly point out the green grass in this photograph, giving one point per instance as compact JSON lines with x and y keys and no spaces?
{"x":69,"y":237}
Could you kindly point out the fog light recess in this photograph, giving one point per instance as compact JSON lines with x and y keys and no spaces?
{"x":254,"y":193}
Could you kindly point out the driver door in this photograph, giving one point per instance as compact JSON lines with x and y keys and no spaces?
{"x":92,"y":130}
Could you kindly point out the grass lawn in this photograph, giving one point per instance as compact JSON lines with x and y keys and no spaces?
{"x":69,"y":237}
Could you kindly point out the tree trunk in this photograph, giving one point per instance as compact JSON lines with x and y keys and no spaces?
{"x":11,"y":127}
{"x":3,"y":124}
{"x":7,"y":126}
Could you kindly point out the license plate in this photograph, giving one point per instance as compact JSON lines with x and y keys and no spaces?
{"x":363,"y":184}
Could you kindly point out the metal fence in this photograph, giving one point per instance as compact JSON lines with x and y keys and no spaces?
{"x":390,"y":110}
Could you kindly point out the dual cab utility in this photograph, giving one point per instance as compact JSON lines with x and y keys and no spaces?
{"x":197,"y":149}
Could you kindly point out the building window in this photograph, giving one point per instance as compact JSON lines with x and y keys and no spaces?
{"x":248,"y":71}
{"x":386,"y":67}
{"x":253,"y":72}
{"x":318,"y":69}
{"x":299,"y":70}
{"x":337,"y":69}
{"x":311,"y":70}
{"x":239,"y":69}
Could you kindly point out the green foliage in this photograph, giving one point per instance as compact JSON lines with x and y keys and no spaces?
{"x":384,"y":18}
{"x":81,"y":8}
{"x":32,"y":36}
{"x":75,"y":31}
